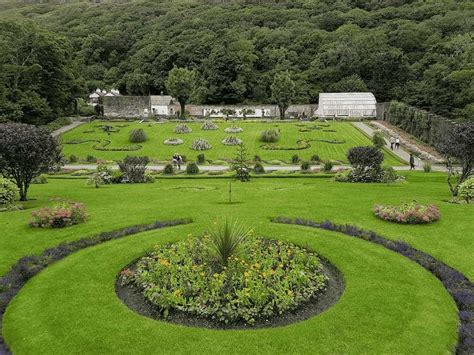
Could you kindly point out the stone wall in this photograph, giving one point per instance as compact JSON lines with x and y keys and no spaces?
{"x":382,"y":110}
{"x":126,"y":106}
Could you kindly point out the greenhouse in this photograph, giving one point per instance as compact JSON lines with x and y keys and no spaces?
{"x":347,"y":104}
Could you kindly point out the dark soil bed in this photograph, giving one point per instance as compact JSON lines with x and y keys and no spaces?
{"x":134,"y":299}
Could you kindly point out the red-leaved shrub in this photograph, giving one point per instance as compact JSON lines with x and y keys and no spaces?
{"x":62,"y":214}
{"x":408,"y":213}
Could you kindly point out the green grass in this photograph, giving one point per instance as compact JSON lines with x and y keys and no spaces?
{"x":391,"y":305}
{"x":157,"y":133}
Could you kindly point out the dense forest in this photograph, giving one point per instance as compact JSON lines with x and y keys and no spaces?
{"x":416,"y":51}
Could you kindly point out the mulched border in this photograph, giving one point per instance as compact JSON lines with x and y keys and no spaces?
{"x":133,"y":298}
{"x":456,"y":283}
{"x":28,"y":266}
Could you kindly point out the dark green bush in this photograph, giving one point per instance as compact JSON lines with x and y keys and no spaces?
{"x":295,"y":159}
{"x":168,"y":169}
{"x":257,"y":158}
{"x":305,"y":166}
{"x":133,"y":168}
{"x":258,"y":168}
{"x":201,"y":158}
{"x":270,"y":136}
{"x":378,"y":140}
{"x":192,"y":168}
{"x":328,"y":165}
{"x":91,"y":159}
{"x":137,"y":136}
{"x":366,"y":164}
{"x":315,"y":158}
{"x":73,"y":158}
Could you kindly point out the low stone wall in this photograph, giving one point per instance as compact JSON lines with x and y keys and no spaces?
{"x":126,"y":106}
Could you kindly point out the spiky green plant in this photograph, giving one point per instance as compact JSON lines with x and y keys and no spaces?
{"x":228,"y":238}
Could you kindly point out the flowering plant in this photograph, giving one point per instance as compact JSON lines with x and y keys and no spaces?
{"x":62,"y":214}
{"x":408,"y":213}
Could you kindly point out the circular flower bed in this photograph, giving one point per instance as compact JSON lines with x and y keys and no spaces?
{"x":173,"y":141}
{"x":233,"y":130}
{"x":232,"y":140}
{"x":408,"y":213}
{"x":266,"y":279}
{"x":201,"y":144}
{"x":182,"y":128}
{"x":209,"y":126}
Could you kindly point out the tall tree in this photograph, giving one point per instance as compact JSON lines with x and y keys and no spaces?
{"x":180,"y":84}
{"x":283,"y":91}
{"x":27,"y":151}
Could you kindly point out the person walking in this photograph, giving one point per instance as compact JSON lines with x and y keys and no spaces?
{"x":392,"y":142}
{"x":412,"y":162}
{"x":397,"y":143}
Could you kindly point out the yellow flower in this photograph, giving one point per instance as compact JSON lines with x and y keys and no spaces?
{"x":202,"y":273}
{"x":164,"y":262}
{"x":290,"y":293}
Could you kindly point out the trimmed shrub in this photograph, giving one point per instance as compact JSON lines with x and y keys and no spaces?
{"x":408,"y":213}
{"x":209,"y":126}
{"x":427,"y":167}
{"x":201,"y":144}
{"x":192,"y":168}
{"x":168,"y":169}
{"x":257,"y":158}
{"x":73,"y":158}
{"x":62,"y":214}
{"x":366,"y":164}
{"x":231,"y":140}
{"x":8,"y":192}
{"x":305,"y":166}
{"x":41,"y":179}
{"x":201,"y":159}
{"x":182,"y":128}
{"x":137,"y":136}
{"x":328,"y":165}
{"x":466,"y":190}
{"x":270,"y":136}
{"x":389,"y":175}
{"x":149,"y":177}
{"x":91,"y":159}
{"x":315,"y":158}
{"x":258,"y":168}
{"x":378,"y":140}
{"x":295,"y":159}
{"x":133,"y":169}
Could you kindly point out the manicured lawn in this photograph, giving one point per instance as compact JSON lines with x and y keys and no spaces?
{"x":157,"y":133}
{"x":390,"y":305}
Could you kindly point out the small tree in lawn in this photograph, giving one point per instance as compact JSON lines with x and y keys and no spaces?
{"x":457,"y":146}
{"x":240,"y":164}
{"x":283,"y":91}
{"x":247,"y":111}
{"x":26,"y":152}
{"x":180,"y":84}
{"x":227,"y":112}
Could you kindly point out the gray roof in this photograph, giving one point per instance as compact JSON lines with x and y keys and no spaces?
{"x":161,"y":100}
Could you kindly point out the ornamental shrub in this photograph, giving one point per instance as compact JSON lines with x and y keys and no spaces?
{"x":62,"y":214}
{"x":389,"y":175}
{"x":192,"y":168}
{"x":91,"y":159}
{"x":378,"y":140}
{"x":258,"y":168}
{"x":149,"y":177}
{"x":209,"y":126}
{"x":133,"y":169}
{"x":466,"y":190}
{"x":182,"y":128}
{"x":270,"y":136}
{"x":315,"y":158}
{"x":137,"y":136}
{"x":41,"y":179}
{"x":201,"y":158}
{"x":257,"y":158}
{"x":427,"y":167}
{"x":168,"y":169}
{"x":408,"y":213}
{"x":295,"y":159}
{"x":328,"y":165}
{"x":231,"y":140}
{"x":305,"y":166}
{"x":366,"y":164}
{"x":73,"y":158}
{"x":8,"y":192}
{"x":201,"y":144}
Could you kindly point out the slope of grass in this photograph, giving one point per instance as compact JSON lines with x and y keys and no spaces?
{"x":157,"y":133}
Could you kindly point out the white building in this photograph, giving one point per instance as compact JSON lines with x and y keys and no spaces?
{"x":94,"y":98}
{"x":163,"y":105}
{"x":347,"y":104}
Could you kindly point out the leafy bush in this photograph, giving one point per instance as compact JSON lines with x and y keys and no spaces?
{"x":305,"y":166}
{"x":201,"y":159}
{"x":116,"y":177}
{"x":91,"y":159}
{"x":378,"y":140}
{"x":341,"y":177}
{"x":133,"y":169}
{"x":258,"y":168}
{"x":62,"y":214}
{"x":315,"y":158}
{"x":173,"y":141}
{"x":149,"y":177}
{"x":192,"y":168}
{"x":270,"y":136}
{"x":41,"y":179}
{"x":257,"y":158}
{"x":73,"y":158}
{"x":408,"y":213}
{"x":273,"y":278}
{"x":328,"y":165}
{"x":201,"y":144}
{"x":209,"y":126}
{"x":389,"y":175}
{"x":168,"y":169}
{"x":233,"y":130}
{"x":137,"y":136}
{"x":8,"y":192}
{"x":231,"y":140}
{"x":366,"y":164}
{"x":295,"y":159}
{"x":182,"y":128}
{"x":466,"y":190}
{"x":427,"y":167}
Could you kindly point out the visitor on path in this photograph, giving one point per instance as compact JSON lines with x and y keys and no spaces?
{"x":397,"y":143}
{"x":412,"y":162}
{"x":180,"y":161}
{"x":175,"y":161}
{"x":392,"y":142}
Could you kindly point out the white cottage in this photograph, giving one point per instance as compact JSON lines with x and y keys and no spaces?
{"x":347,"y":104}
